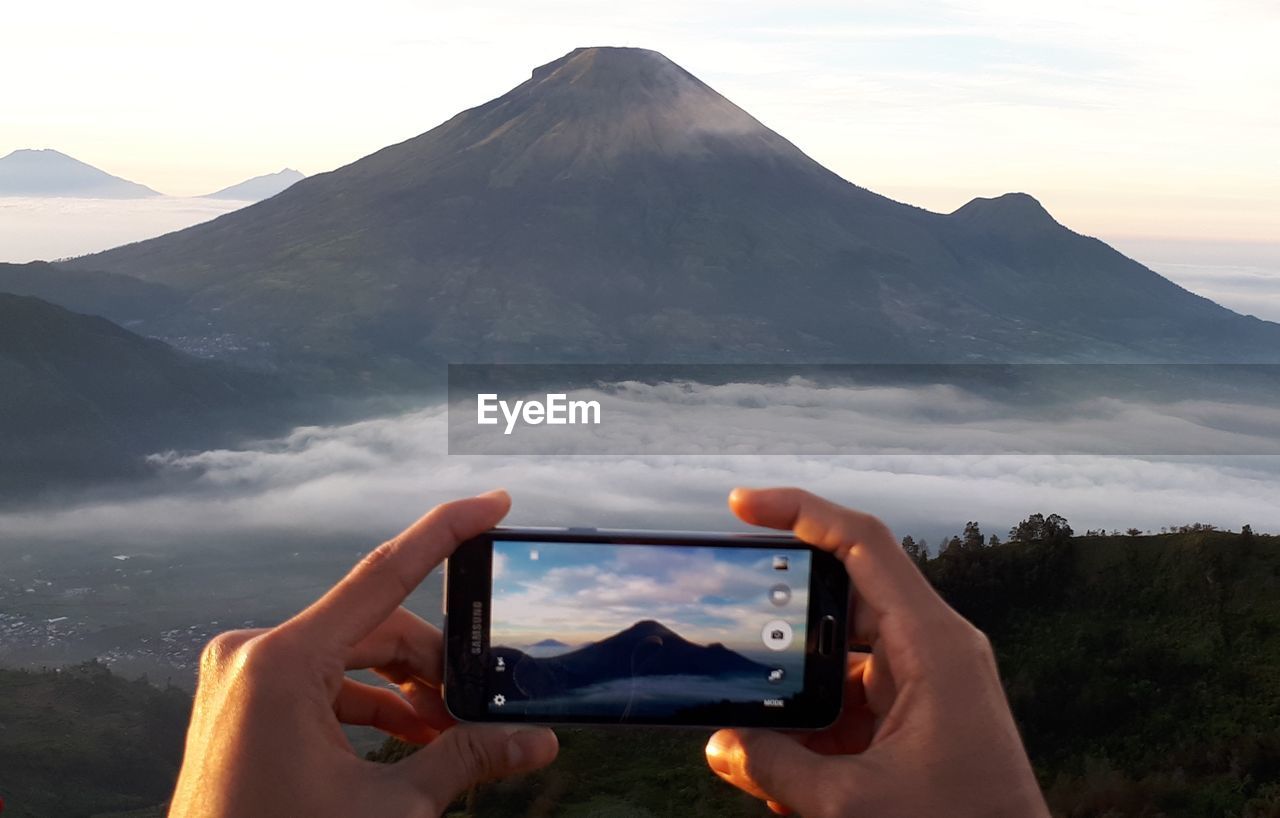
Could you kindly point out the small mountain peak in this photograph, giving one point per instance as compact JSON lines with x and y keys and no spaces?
{"x":39,"y":153}
{"x":1011,"y":213}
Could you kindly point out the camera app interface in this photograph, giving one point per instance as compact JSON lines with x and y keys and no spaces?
{"x":637,"y":631}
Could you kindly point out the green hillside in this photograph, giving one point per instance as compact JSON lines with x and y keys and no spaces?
{"x":83,"y":742}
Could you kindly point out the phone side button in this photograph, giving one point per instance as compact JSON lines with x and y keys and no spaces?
{"x":827,"y":635}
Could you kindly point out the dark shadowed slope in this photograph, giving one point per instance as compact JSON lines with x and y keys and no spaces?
{"x":121,"y":298}
{"x":51,"y":173}
{"x":614,"y":207}
{"x":81,"y":398}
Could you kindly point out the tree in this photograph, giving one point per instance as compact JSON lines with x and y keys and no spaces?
{"x":1039,"y":528}
{"x":1056,"y":528}
{"x":911,"y":547}
{"x":972,"y":538}
{"x":1029,"y":530}
{"x":918,"y":551}
{"x":993,"y":540}
{"x":952,"y":546}
{"x":1134,"y":532}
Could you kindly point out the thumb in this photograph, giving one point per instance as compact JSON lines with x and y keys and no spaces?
{"x":780,"y":769}
{"x":468,"y":754}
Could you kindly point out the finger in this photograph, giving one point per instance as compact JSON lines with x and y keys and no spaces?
{"x":886,"y":578}
{"x":473,"y":753}
{"x":778,"y":769}
{"x":378,"y":707}
{"x":376,"y":587}
{"x":855,"y":727}
{"x":427,"y":701}
{"x":407,"y":651}
{"x":405,"y":644}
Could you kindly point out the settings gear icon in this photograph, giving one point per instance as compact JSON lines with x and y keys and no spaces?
{"x":499,"y":700}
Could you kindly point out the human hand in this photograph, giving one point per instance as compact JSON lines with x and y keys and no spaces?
{"x":266,"y":728}
{"x":925,"y":729}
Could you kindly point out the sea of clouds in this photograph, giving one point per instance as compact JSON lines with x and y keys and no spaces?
{"x":370,"y":478}
{"x":45,"y":229}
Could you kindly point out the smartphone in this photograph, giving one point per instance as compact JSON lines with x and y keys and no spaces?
{"x":587,"y":626}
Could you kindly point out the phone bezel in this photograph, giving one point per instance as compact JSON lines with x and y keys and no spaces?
{"x":467,"y":597}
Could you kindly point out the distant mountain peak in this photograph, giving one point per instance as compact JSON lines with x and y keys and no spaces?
{"x":1012,"y":212}
{"x":259,"y":187}
{"x":45,"y":172}
{"x":33,"y":152}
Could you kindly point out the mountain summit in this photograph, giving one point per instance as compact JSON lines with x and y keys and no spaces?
{"x":595,"y":109}
{"x":614,"y":207}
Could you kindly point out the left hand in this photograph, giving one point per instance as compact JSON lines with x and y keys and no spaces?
{"x":266,"y":728}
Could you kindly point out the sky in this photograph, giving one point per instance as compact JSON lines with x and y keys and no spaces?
{"x":583,"y":593}
{"x":1126,"y":119}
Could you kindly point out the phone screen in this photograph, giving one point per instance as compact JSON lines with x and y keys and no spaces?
{"x":650,"y":633}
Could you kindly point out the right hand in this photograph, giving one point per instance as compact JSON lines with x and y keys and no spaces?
{"x":925,"y":729}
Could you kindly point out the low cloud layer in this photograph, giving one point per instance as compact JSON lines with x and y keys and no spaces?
{"x":1054,"y":410}
{"x":51,"y":228}
{"x":371,"y":478}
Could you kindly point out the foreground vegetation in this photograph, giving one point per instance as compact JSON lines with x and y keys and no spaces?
{"x":1143,"y":670}
{"x":81,"y":741}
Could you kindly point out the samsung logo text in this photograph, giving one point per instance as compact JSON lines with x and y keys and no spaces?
{"x":556,"y":410}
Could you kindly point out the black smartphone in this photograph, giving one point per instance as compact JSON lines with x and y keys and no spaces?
{"x":591,"y":626}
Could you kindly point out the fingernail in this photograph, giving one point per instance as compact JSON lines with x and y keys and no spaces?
{"x":718,"y":753}
{"x":493,"y":493}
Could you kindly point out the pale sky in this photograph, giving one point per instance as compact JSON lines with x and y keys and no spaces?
{"x":1127,"y":118}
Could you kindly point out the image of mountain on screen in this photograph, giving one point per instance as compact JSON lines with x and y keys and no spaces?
{"x":646,"y":649}
{"x":547,"y":647}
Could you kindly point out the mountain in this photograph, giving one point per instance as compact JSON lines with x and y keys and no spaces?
{"x":82,"y":398}
{"x":613,"y":207}
{"x":51,"y":173}
{"x":259,"y":187}
{"x":121,"y":298}
{"x":647,"y":648}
